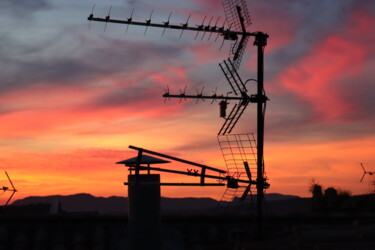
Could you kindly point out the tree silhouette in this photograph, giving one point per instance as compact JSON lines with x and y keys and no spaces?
{"x":317,"y":196}
{"x":330,"y":199}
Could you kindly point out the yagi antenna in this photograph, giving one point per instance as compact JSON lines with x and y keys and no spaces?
{"x":13,"y":189}
{"x":237,"y":19}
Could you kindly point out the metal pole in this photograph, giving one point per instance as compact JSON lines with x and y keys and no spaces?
{"x":260,"y":42}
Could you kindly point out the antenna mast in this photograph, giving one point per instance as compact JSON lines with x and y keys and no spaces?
{"x":237,"y":19}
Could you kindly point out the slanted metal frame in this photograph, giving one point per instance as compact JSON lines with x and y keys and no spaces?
{"x":202,"y":174}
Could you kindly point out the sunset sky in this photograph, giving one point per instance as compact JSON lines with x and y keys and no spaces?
{"x":72,"y":99}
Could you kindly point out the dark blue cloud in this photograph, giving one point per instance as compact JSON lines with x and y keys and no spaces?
{"x":27,"y":65}
{"x":23,"y":8}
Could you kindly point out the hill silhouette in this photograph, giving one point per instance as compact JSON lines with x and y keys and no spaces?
{"x":84,"y":202}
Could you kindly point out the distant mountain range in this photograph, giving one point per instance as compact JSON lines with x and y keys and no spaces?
{"x":87,"y":203}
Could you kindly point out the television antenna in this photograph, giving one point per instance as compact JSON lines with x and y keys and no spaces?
{"x":233,"y":29}
{"x":239,"y":153}
{"x":365,"y":172}
{"x":12,"y":189}
{"x":143,"y":163}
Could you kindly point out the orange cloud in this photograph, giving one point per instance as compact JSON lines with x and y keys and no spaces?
{"x":62,"y":130}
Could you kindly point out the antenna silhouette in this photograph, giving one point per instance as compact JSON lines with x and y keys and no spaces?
{"x":5,"y":188}
{"x":238,"y":17}
{"x":365,"y":172}
{"x":237,"y":21}
{"x":239,"y":153}
{"x":201,"y":173}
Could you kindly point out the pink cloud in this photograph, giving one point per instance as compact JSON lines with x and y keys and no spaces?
{"x":316,"y":77}
{"x":44,"y":110}
{"x":207,"y":52}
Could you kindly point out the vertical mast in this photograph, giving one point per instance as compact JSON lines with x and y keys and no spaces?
{"x":260,"y":42}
